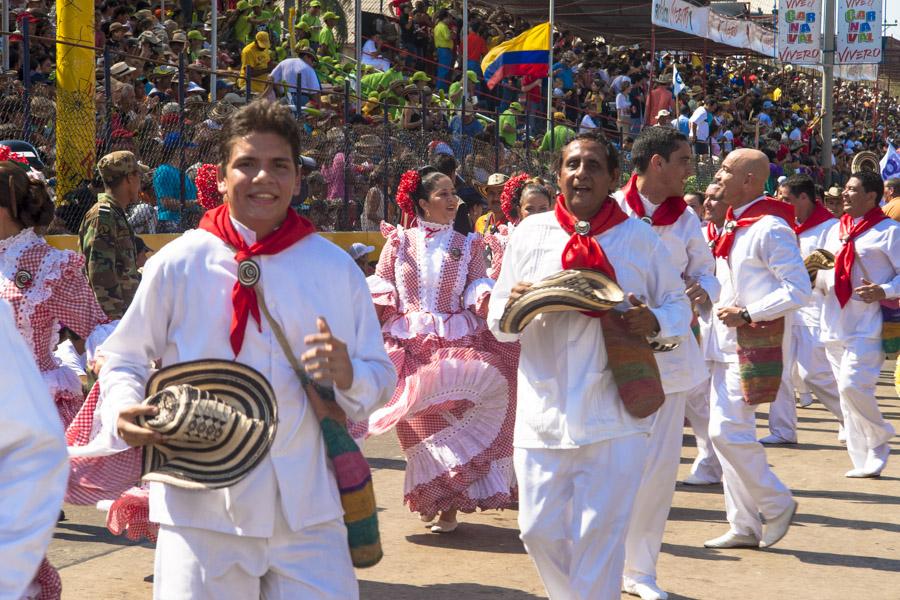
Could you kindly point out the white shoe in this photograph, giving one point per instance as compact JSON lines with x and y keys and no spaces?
{"x":693,"y":479}
{"x":733,"y":540}
{"x":842,"y":434}
{"x":877,"y":459}
{"x":444,"y":526}
{"x":774,"y":440}
{"x":858,"y":474}
{"x":777,"y":527}
{"x":647,"y":590}
{"x":805,"y":399}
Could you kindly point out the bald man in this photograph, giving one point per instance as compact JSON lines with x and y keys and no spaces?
{"x":706,"y":469}
{"x":764,"y":283}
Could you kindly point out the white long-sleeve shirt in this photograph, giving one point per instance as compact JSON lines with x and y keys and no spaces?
{"x":566,"y":395}
{"x":878,"y":250}
{"x":33,"y":466}
{"x":813,"y":239}
{"x":764,"y":274}
{"x":691,"y":260}
{"x":182,"y":311}
{"x":709,"y":345}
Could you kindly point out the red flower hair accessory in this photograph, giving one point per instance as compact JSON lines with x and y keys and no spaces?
{"x":7,"y":154}
{"x":510,"y":195}
{"x":207,"y":186}
{"x":409,"y":183}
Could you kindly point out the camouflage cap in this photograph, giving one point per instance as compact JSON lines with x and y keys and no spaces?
{"x":118,"y":164}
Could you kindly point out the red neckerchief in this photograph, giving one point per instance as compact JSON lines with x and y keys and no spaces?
{"x":243,"y":296}
{"x":843,"y":262}
{"x":665,"y":214}
{"x":765,"y":207}
{"x":712,"y":234}
{"x":819,"y":215}
{"x":582,"y":251}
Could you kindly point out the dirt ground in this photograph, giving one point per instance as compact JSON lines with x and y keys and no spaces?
{"x":844,"y":544}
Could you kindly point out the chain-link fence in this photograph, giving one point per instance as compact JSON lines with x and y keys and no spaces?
{"x":162,"y":113}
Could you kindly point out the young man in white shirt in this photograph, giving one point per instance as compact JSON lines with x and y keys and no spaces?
{"x":662,"y":162}
{"x":763,"y":280}
{"x":812,"y":366}
{"x":269,"y":534}
{"x":866,"y":245}
{"x":699,"y":125}
{"x":579,"y":453}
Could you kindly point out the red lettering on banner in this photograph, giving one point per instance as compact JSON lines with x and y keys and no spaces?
{"x":789,"y":55}
{"x":850,"y":55}
{"x":800,"y":3}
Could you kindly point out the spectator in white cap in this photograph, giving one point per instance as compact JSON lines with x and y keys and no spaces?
{"x":359,"y":252}
{"x":663,"y":120}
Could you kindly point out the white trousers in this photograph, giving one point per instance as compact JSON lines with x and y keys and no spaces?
{"x":574,"y":506}
{"x":312,"y":564}
{"x":856,"y":364}
{"x":706,"y":464}
{"x":813,"y":370}
{"x":654,"y":496}
{"x":751,"y":488}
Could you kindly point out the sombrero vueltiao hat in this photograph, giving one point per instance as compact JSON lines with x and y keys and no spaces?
{"x":219,"y":418}
{"x":572,"y":289}
{"x":494,"y":182}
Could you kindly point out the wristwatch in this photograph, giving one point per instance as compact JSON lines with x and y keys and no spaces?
{"x":745,"y":315}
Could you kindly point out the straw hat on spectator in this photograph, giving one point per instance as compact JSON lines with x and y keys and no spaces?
{"x":368,"y":146}
{"x":42,"y":108}
{"x":494,"y":183}
{"x":221,"y":111}
{"x":121,"y":69}
{"x":179,"y":37}
{"x":833,"y":192}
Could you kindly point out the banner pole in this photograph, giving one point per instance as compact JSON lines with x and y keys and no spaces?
{"x":550,"y":69}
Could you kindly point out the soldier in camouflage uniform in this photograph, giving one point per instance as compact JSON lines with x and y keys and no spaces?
{"x":107,"y":240}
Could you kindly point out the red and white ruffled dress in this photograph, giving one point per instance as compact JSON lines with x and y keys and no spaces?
{"x":454,"y":406}
{"x":496,"y":242}
{"x":47,"y":289}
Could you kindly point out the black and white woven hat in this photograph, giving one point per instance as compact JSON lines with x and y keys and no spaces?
{"x":219,"y":418}
{"x":573,"y":289}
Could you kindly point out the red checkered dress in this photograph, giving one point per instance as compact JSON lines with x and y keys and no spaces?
{"x":96,"y":478}
{"x":454,"y":406}
{"x":130,"y":514}
{"x":47,"y":289}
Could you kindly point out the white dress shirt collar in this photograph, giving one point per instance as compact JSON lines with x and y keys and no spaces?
{"x":739,"y":211}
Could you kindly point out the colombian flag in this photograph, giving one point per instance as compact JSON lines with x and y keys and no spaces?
{"x":525,"y":54}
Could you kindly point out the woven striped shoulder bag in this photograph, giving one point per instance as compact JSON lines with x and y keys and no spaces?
{"x":351,"y":470}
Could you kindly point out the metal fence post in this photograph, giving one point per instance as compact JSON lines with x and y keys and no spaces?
{"x":248,"y":92}
{"x":528,"y":136}
{"x":346,"y":102}
{"x":345,"y":216}
{"x":552,"y":133}
{"x":386,"y":163}
{"x":182,"y":167}
{"x":297,"y":96}
{"x":26,"y":76}
{"x":497,"y":142}
{"x":107,"y":90}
